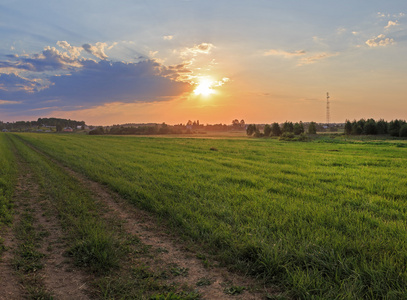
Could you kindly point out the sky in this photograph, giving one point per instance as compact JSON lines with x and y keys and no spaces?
{"x":263,"y":61}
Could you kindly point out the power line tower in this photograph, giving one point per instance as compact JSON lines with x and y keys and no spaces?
{"x":327,"y":109}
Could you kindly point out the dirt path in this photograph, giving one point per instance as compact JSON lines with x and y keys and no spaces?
{"x":10,"y":287}
{"x":57,"y":277}
{"x":171,"y":251}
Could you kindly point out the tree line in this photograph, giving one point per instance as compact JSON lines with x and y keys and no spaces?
{"x":372,"y":127}
{"x":41,"y":122}
{"x":287,"y":129}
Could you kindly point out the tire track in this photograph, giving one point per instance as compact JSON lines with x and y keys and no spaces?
{"x":58,"y":277}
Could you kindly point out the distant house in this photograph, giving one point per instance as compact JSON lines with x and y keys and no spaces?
{"x":4,"y":130}
{"x":67,"y":129}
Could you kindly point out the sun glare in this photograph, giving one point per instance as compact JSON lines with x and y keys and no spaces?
{"x":204,"y":88}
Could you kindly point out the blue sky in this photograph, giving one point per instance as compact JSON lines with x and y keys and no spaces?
{"x":111,"y":62}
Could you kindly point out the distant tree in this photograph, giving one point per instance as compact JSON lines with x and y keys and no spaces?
{"x":275,"y":129}
{"x":394,"y":127}
{"x":381,"y":127}
{"x":59,"y":128}
{"x":97,"y":131}
{"x":251,"y":129}
{"x":164,"y":129}
{"x":287,"y":127}
{"x":370,"y":127}
{"x":267,"y":130}
{"x":242,"y":123}
{"x":312,"y":128}
{"x":356,"y":128}
{"x":361,"y":123}
{"x":403,"y":131}
{"x":348,"y":127}
{"x":298,"y":128}
{"x":235,"y":123}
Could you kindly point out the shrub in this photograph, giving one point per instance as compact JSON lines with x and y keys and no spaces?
{"x":97,"y":131}
{"x":287,"y":136}
{"x":302,"y":137}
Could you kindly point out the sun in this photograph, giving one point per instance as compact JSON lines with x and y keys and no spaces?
{"x":204,"y":88}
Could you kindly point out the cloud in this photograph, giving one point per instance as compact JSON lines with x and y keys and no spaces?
{"x":302,"y":56}
{"x":380,"y":41}
{"x":13,"y":83}
{"x":314,"y":58}
{"x":284,"y":53}
{"x":54,"y":80}
{"x":74,"y":51}
{"x":391,"y":23}
{"x":341,"y":30}
{"x":5,"y":102}
{"x":203,"y":48}
{"x":168,"y":37}
{"x":97,"y":50}
{"x":50,"y":59}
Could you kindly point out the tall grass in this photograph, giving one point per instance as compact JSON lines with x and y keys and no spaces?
{"x":7,"y":181}
{"x":319,"y":219}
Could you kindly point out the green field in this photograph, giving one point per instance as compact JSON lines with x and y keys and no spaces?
{"x":7,"y":181}
{"x":321,"y":219}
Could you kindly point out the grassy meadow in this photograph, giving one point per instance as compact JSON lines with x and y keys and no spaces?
{"x":321,"y":219}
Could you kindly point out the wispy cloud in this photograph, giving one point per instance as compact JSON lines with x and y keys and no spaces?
{"x":302,"y":56}
{"x":283,"y":53}
{"x":168,"y":37}
{"x":5,"y":102}
{"x":380,"y":41}
{"x":314,"y":58}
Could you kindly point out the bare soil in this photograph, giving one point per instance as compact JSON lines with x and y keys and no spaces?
{"x":10,"y":287}
{"x":58,"y":276}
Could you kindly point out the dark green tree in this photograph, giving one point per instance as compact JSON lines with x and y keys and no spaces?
{"x":288,"y":127}
{"x":356,"y":128}
{"x":348,"y":127}
{"x":394,"y":127}
{"x":251,"y":128}
{"x":312,"y":128}
{"x":403,"y":131}
{"x":275,"y":129}
{"x":298,"y":128}
{"x":381,"y":127}
{"x":370,"y":127}
{"x":267,"y":130}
